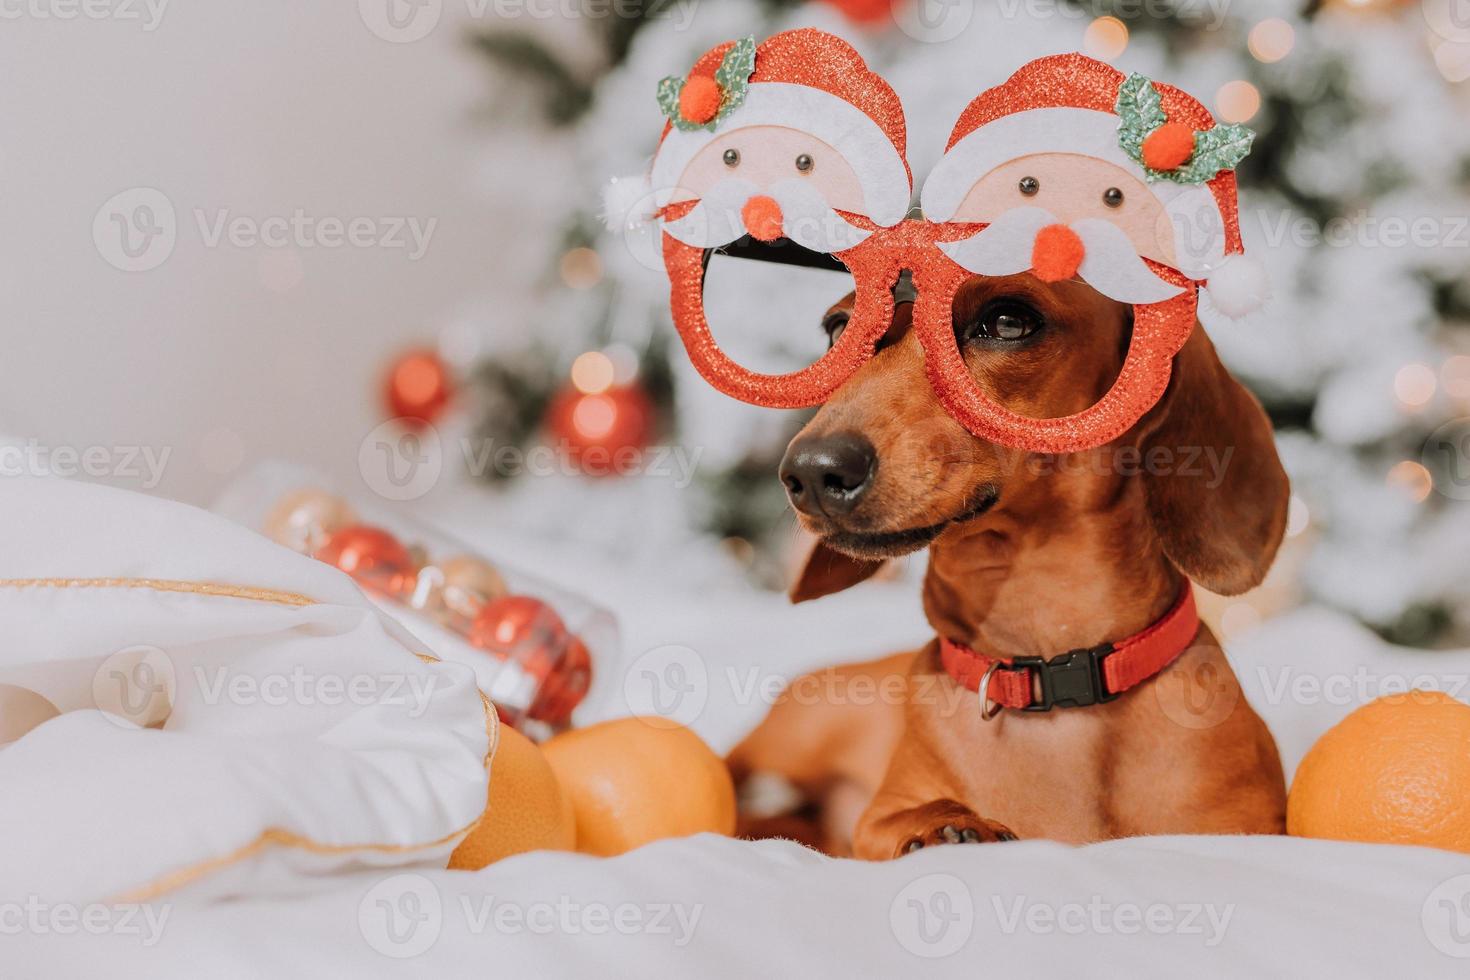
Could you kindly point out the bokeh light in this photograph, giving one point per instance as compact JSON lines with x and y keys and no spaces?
{"x":1412,"y":478}
{"x":1237,"y":101}
{"x":1298,"y":516}
{"x":1452,"y":58}
{"x":593,"y":372}
{"x":581,"y":268}
{"x":594,"y":417}
{"x":1414,"y":385}
{"x":1239,"y":618}
{"x":1455,"y":375}
{"x":1271,"y":40}
{"x":1105,"y":38}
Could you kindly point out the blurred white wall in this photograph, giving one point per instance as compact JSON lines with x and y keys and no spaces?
{"x":226,"y":354}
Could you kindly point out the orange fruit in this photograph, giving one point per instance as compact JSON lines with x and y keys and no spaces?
{"x":635,"y":780}
{"x":526,"y":809}
{"x":1395,"y":771}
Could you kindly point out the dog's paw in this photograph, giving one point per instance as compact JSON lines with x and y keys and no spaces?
{"x":951,"y":823}
{"x":959,"y":833}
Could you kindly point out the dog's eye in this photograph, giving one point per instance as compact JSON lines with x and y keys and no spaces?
{"x":732,"y":157}
{"x":1005,"y":320}
{"x":834,"y":323}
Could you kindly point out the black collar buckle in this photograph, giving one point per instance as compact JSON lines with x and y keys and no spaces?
{"x":1069,"y":680}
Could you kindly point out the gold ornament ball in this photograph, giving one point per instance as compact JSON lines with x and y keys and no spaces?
{"x":303,"y":519}
{"x":469,"y":583}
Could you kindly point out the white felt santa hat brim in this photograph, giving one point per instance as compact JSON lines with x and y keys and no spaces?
{"x":1199,"y":236}
{"x":837,"y":122}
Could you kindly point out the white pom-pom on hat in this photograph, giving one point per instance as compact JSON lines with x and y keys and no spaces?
{"x":1239,"y":286}
{"x":627,"y":202}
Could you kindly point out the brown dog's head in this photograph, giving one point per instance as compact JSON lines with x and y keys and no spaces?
{"x":883,"y":470}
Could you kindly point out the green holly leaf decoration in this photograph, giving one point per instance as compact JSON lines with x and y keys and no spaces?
{"x":668,"y":97}
{"x":1140,"y":112}
{"x":733,"y":78}
{"x":1217,"y":149}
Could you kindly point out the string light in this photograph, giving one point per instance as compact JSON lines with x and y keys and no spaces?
{"x":1105,"y":38}
{"x":1237,"y":101}
{"x":581,"y":268}
{"x":1414,"y":384}
{"x":1271,"y":40}
{"x":1413,"y":478}
{"x":593,"y":372}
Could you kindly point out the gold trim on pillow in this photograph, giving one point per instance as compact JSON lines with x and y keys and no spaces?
{"x":163,"y":585}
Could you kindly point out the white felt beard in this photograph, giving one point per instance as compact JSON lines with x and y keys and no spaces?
{"x":807,"y":219}
{"x":1110,"y":264}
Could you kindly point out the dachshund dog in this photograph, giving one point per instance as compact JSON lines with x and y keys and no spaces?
{"x":1029,"y":556}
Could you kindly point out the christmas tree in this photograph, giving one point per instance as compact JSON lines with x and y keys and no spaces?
{"x":1354,"y":197}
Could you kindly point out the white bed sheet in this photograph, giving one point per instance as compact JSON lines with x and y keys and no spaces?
{"x":712,"y":907}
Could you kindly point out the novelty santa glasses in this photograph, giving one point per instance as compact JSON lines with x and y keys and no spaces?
{"x":1068,"y":170}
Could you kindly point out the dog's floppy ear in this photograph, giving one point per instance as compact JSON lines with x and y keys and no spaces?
{"x":1217,"y":493}
{"x":828,"y":571}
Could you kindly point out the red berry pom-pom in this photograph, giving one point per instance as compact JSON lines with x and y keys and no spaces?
{"x":700,"y":99}
{"x":1168,"y":146}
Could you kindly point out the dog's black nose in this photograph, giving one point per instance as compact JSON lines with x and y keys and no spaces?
{"x":828,"y":474}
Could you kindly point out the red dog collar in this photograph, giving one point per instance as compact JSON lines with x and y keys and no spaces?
{"x":1079,"y":677}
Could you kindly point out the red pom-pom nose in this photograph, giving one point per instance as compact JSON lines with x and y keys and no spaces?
{"x":1057,"y":253}
{"x":763,"y":218}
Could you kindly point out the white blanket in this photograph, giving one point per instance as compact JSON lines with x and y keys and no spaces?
{"x":91,"y":807}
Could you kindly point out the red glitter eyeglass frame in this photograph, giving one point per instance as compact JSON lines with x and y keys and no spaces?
{"x":1159,"y":331}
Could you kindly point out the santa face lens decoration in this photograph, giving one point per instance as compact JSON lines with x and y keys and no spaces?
{"x":793,"y":153}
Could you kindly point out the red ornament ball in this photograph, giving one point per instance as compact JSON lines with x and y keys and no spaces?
{"x":865,"y":11}
{"x":521,"y":628}
{"x":565,"y":687}
{"x":602,"y":431}
{"x":374,"y":558}
{"x":1168,"y":147}
{"x":419,"y":387}
{"x":700,"y":98}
